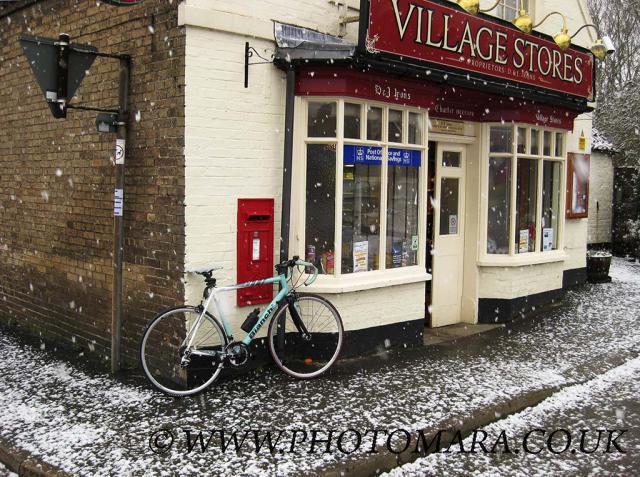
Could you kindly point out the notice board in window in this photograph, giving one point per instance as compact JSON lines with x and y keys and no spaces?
{"x":578,"y":169}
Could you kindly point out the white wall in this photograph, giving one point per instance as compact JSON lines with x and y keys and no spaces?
{"x":600,"y":193}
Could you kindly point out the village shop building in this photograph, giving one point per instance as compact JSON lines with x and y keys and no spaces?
{"x":430,"y":161}
{"x":426,"y":166}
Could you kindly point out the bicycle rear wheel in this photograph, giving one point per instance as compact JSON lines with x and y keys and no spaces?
{"x":306,"y":341}
{"x":163,"y":347}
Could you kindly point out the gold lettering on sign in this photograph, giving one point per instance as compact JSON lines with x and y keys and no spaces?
{"x":446,"y":127}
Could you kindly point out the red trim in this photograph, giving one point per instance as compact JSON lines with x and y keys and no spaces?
{"x":442,"y":101}
{"x":428,"y":31}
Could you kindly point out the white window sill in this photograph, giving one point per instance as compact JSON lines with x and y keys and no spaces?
{"x":369,"y":280}
{"x":523,"y":260}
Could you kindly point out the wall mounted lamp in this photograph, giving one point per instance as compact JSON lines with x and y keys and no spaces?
{"x":473,"y":6}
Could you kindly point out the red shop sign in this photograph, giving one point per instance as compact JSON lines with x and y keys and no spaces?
{"x":442,"y":101}
{"x":428,"y":31}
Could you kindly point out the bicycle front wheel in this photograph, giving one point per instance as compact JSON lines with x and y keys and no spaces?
{"x":306,"y":337}
{"x":170,"y":364}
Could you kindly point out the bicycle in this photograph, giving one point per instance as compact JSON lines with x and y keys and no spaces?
{"x":185,"y":348}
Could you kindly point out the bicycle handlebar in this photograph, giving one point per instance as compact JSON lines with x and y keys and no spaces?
{"x":284,"y":268}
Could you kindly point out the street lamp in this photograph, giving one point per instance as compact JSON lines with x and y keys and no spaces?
{"x":600,"y":49}
{"x":473,"y":6}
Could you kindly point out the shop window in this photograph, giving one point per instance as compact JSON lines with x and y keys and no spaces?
{"x":416,"y":126}
{"x":526,"y":205}
{"x":551,"y":196}
{"x":361,"y":209}
{"x":374,"y":123}
{"x":533,"y":222}
{"x":402,"y":209}
{"x":352,"y":113}
{"x":578,"y":186}
{"x":501,"y":140}
{"x":499,"y":211}
{"x":395,"y":126}
{"x":510,"y":9}
{"x":322,"y":119}
{"x":320,"y":206}
{"x":451,"y":159}
{"x":375,"y":234}
{"x":535,"y":142}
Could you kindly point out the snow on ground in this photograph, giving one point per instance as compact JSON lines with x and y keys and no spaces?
{"x":608,"y":402}
{"x":90,"y":424}
{"x":4,"y":472}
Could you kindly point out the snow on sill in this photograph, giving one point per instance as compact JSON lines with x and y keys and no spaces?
{"x":369,"y":280}
{"x":524,"y":259}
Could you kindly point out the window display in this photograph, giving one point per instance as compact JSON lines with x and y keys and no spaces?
{"x":374,"y":235}
{"x":526,"y":226}
{"x":320,"y":206}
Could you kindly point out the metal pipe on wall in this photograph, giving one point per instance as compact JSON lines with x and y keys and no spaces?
{"x":288,"y":164}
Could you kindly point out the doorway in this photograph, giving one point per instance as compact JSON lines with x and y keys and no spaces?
{"x":445,"y":253}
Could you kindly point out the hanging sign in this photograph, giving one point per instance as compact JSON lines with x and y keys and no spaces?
{"x":118,"y":202}
{"x":435,"y":33}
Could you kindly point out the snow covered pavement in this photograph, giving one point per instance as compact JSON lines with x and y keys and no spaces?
{"x":606,"y":403}
{"x":90,"y":424}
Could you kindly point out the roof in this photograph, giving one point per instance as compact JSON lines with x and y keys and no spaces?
{"x":601,"y":143}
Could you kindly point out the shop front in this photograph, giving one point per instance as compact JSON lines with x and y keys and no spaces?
{"x":429,"y":167}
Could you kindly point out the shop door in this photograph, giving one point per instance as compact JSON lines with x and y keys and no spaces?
{"x":448,"y":247}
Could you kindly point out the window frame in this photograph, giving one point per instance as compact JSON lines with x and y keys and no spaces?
{"x":502,"y":9}
{"x":570,"y":214}
{"x":538,"y":256}
{"x":409,"y":274}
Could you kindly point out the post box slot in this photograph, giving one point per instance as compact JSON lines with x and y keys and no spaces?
{"x":254,"y":218}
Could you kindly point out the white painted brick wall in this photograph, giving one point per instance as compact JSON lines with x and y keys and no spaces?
{"x":600,"y":193}
{"x":234,"y":149}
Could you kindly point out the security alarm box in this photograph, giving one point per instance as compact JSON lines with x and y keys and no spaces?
{"x":255,"y":249}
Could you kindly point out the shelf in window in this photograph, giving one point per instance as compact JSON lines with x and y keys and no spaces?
{"x":522,"y":260}
{"x":369,"y":280}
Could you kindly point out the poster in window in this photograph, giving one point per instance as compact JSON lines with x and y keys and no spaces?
{"x":578,"y":186}
{"x":453,"y":225}
{"x":360,"y":256}
{"x":547,"y":240}
{"x":523,"y":245}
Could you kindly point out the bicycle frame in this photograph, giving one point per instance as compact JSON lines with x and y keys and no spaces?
{"x":264,"y":316}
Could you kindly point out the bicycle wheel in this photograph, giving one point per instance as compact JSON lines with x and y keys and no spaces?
{"x":163,"y":348}
{"x":306,"y":347}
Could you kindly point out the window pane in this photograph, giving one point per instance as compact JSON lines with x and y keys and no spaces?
{"x":374,"y":123}
{"x":501,"y":139}
{"x":551,"y":190}
{"x":522,"y":141}
{"x":526,"y":205}
{"x":361,"y":209}
{"x":395,"y":126}
{"x":352,"y":114}
{"x":559,"y":145}
{"x":547,"y":144}
{"x":320,"y":206}
{"x":535,"y":142}
{"x":415,"y":128}
{"x":499,"y":218}
{"x":322,"y":119}
{"x":449,"y":201}
{"x":451,"y":158}
{"x":402,"y":208}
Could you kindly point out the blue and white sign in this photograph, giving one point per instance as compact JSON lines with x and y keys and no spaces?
{"x":405,"y":157}
{"x":372,"y":156}
{"x":362,"y":155}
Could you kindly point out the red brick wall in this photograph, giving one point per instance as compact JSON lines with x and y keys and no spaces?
{"x":57,"y":177}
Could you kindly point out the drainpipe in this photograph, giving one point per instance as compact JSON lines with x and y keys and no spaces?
{"x":288,"y":164}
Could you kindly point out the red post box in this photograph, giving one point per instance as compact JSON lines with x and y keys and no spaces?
{"x":255,"y":249}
